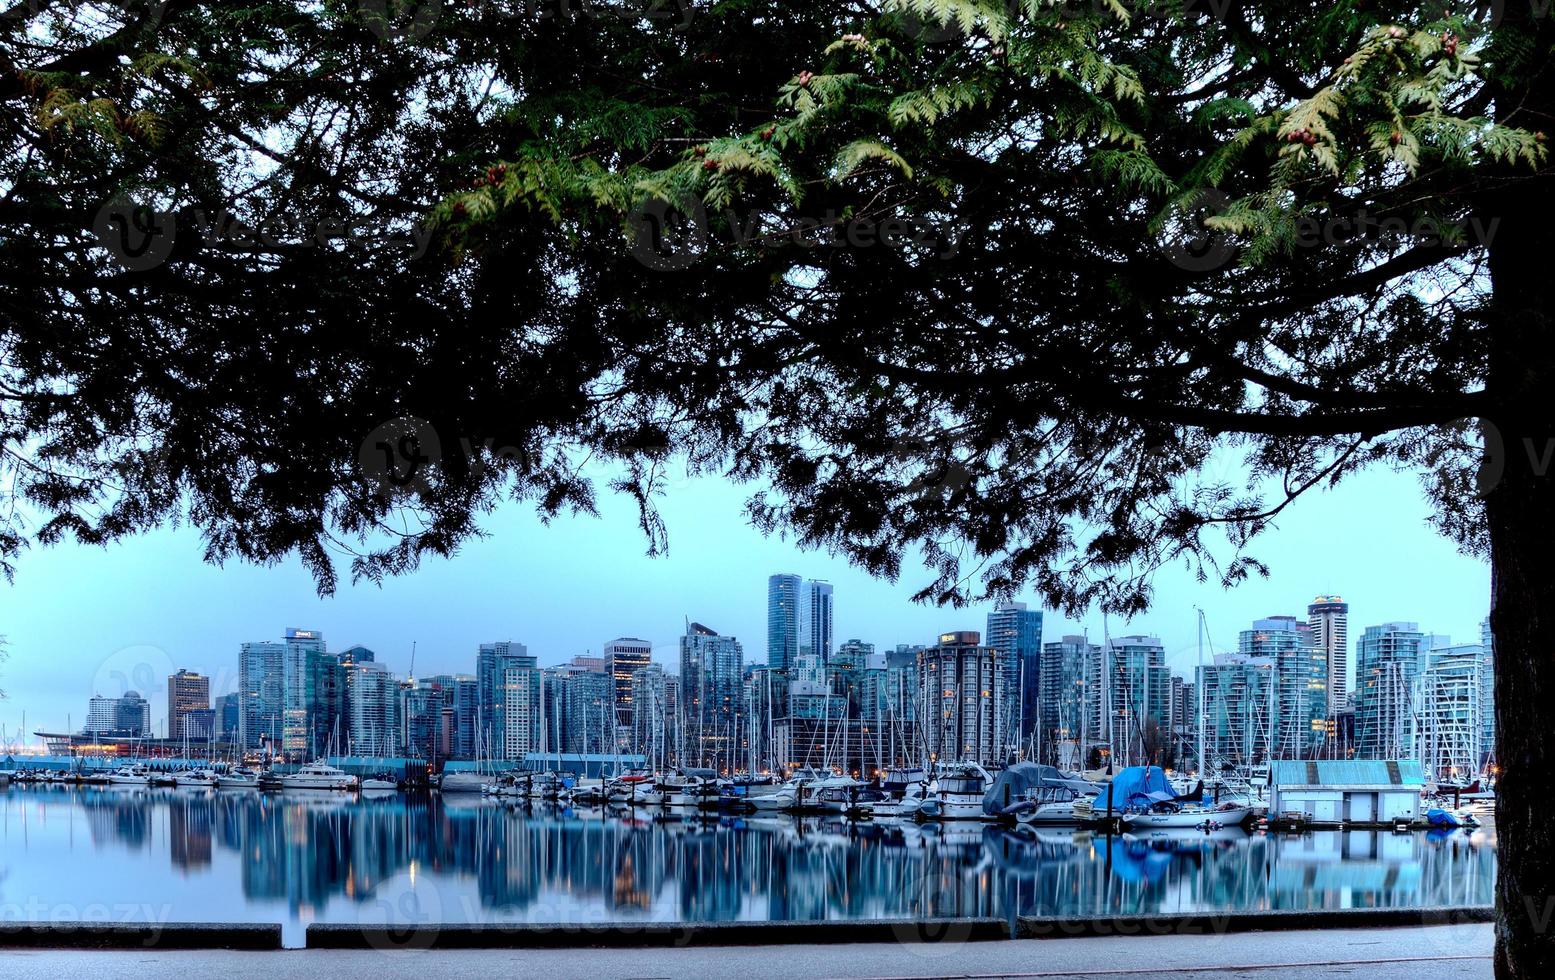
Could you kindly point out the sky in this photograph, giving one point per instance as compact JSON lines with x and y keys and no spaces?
{"x":88,"y":620}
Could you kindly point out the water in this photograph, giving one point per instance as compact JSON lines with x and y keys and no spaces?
{"x":138,"y":855}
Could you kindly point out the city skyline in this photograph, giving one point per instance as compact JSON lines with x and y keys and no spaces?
{"x":717,"y":572}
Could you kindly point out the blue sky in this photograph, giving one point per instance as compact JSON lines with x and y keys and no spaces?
{"x":90,"y":620}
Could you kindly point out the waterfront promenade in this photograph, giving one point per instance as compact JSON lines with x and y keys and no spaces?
{"x":1379,"y":954}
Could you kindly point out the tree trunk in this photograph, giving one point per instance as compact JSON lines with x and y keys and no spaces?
{"x":1519,"y":490}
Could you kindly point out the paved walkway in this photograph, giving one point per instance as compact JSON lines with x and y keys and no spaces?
{"x":1439,"y":952}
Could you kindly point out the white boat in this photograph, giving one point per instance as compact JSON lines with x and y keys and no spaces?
{"x":379,"y":784}
{"x":840,"y":794}
{"x":690,"y":789}
{"x":900,"y":793}
{"x":957,"y":793}
{"x":635,"y":788}
{"x":1056,"y":806}
{"x":196,"y":778}
{"x":239,"y":778}
{"x":1163,"y":816}
{"x":136,"y":775}
{"x":797,"y":794}
{"x":319,"y":775}
{"x":743,"y":789}
{"x":509,"y":785}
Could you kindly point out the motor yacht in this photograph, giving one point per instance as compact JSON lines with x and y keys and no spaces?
{"x":956,"y":793}
{"x":690,"y":789}
{"x":135,"y":775}
{"x":319,"y":775}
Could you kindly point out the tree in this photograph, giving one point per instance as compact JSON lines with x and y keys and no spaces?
{"x":996,"y":281}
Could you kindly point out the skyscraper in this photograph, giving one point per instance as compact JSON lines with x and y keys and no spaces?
{"x":624,"y":656}
{"x":122,"y":717}
{"x":520,"y":696}
{"x":1388,"y":659}
{"x":1328,"y":617}
{"x":1487,"y":690}
{"x":1129,"y":688}
{"x":311,"y":695}
{"x":261,"y":681}
{"x":1238,"y":697}
{"x":1446,"y":715}
{"x":373,"y":696}
{"x":1063,"y":700}
{"x":1016,"y":633}
{"x":962,"y":686}
{"x":1297,"y":717}
{"x":711,"y":676}
{"x":491,"y":662}
{"x":782,"y":620}
{"x":815,"y":619}
{"x":186,"y":692}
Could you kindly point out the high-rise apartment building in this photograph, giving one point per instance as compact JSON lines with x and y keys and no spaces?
{"x":1063,"y":698}
{"x":310,"y":718}
{"x":799,"y":620}
{"x":1388,"y":659}
{"x":261,"y":686}
{"x":961,"y":683}
{"x":491,"y":663}
{"x":624,"y":656}
{"x":711,"y":682}
{"x":1328,"y":617}
{"x":128,"y":716}
{"x":782,"y":620}
{"x":1487,"y":689}
{"x":1128,"y":687}
{"x":1298,"y":716}
{"x":228,"y":708}
{"x":1016,"y":633}
{"x":815,"y":619}
{"x":1239,"y":699}
{"x":373,"y":696}
{"x":520,"y":698}
{"x":186,"y":691}
{"x":1446,"y":708}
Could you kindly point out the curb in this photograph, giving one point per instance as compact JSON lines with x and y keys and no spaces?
{"x":107,"y":935}
{"x":656,"y":935}
{"x":1064,"y":927}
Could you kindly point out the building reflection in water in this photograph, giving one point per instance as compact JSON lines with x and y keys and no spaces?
{"x":546,"y":865}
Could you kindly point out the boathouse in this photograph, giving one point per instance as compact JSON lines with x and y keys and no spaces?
{"x":1347,"y":792}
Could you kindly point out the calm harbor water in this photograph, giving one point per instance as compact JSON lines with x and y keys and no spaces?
{"x":139,"y":855}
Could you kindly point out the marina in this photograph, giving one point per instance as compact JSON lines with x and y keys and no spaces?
{"x":297,"y":857}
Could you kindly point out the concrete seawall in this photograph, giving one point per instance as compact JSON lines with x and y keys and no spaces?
{"x":126,"y":936}
{"x":655,"y":935}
